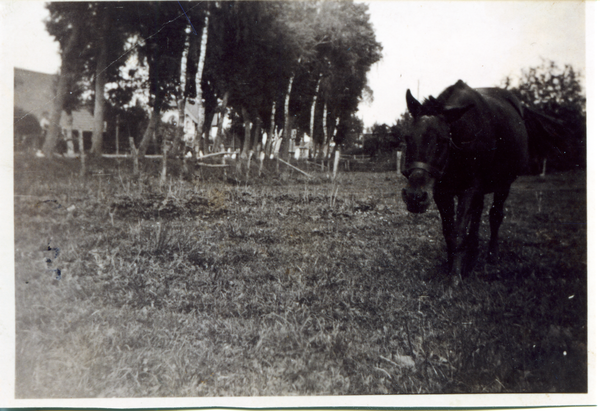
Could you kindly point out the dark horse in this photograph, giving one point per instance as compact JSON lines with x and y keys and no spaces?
{"x":466,"y":143}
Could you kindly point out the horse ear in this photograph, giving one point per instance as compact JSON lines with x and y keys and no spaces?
{"x":451,"y":114}
{"x":414,"y":107}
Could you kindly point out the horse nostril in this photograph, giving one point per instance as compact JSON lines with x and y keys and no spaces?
{"x":414,"y":196}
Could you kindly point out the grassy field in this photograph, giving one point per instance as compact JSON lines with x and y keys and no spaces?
{"x":286,"y":286}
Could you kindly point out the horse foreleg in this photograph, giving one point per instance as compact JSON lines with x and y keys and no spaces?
{"x":468,"y":210}
{"x":473,"y":237}
{"x":496,"y":217}
{"x":445,"y":205}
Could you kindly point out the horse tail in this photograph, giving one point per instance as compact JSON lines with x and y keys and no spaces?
{"x":546,"y":135}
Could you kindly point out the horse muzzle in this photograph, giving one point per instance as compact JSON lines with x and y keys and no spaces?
{"x":416,"y":201}
{"x":417,"y":195}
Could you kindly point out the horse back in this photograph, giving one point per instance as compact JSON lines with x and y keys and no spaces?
{"x":509,"y":129}
{"x":492,"y":135}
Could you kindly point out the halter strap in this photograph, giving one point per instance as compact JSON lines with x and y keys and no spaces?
{"x":423,"y":166}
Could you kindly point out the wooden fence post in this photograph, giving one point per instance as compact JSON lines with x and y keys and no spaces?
{"x":82,"y":172}
{"x":117,"y":137}
{"x":261,"y":158}
{"x":224,"y":163}
{"x":134,"y":156}
{"x":250,"y":153}
{"x":166,"y":145}
{"x":398,"y":163}
{"x":544,"y":168}
{"x":336,"y":160}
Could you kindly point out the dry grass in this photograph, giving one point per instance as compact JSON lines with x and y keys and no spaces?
{"x":264,"y":287}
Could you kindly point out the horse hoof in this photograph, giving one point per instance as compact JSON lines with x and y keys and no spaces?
{"x":455,"y":280}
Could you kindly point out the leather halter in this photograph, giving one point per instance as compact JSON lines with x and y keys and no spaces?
{"x":436,"y":173}
{"x":433,"y":171}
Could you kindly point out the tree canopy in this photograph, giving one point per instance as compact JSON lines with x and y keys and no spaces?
{"x":556,"y":92}
{"x":277,"y":64}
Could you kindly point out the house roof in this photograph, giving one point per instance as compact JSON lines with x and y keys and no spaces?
{"x":192,"y":111}
{"x":34,"y":93}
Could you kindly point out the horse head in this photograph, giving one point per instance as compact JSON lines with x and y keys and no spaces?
{"x":427,"y":149}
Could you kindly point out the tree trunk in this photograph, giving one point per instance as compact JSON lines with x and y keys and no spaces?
{"x":180,"y":144}
{"x":270,"y":133}
{"x":327,"y":138}
{"x":166,"y":146}
{"x":207,"y":130}
{"x":336,"y":162}
{"x":286,"y":126}
{"x":82,"y":171}
{"x":219,"y":137}
{"x":64,"y":81}
{"x":117,"y":137}
{"x":257,"y":140}
{"x":312,"y":110}
{"x":324,"y":145}
{"x":99,"y":103}
{"x":134,"y":156}
{"x":247,"y":132}
{"x":69,"y":134}
{"x":182,"y":82}
{"x":149,"y":133}
{"x":181,"y":114}
{"x":198,"y":141}
{"x":333,"y":133}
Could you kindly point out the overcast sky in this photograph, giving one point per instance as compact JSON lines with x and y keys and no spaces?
{"x":427,"y":46}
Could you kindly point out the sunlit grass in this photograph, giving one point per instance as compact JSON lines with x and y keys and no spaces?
{"x":200,"y":288}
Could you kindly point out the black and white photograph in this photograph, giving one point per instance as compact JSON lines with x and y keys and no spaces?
{"x":212,"y":200}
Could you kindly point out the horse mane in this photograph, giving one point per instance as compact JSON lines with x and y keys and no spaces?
{"x":435,"y":106}
{"x":432,"y":107}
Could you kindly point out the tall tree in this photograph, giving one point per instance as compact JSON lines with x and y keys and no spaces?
{"x":66,"y":25}
{"x":199,"y":99}
{"x":250,"y":57}
{"x":96,"y":55}
{"x":251,"y":48}
{"x":349,"y":131}
{"x":162,"y":27}
{"x":340,"y":49}
{"x":298,"y":29}
{"x":102,"y":18}
{"x":272,"y":63}
{"x":198,"y":15}
{"x":352,"y":51}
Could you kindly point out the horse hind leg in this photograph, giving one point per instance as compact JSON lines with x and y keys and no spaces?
{"x":496,"y":217}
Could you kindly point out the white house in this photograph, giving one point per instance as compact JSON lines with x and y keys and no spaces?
{"x":35,"y":94}
{"x":190,"y":122}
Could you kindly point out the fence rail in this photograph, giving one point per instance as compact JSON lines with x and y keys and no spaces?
{"x":358,"y":157}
